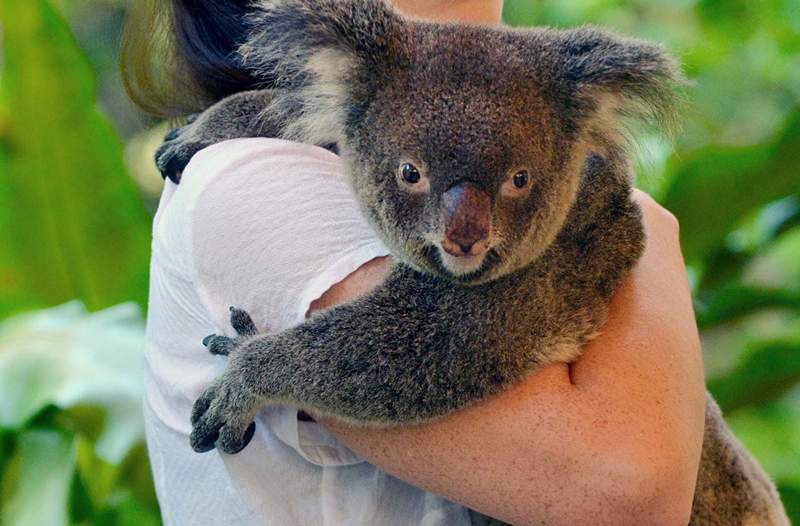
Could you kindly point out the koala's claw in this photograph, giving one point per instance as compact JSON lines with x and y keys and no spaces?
{"x":220,"y":345}
{"x":172,"y":134}
{"x":244,"y":327}
{"x":223,"y":418}
{"x":176,"y":152}
{"x":242,"y":322}
{"x":208,"y":445}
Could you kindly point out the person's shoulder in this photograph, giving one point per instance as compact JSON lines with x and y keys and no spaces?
{"x":246,"y":193}
{"x":223,"y":174}
{"x":248,"y":154}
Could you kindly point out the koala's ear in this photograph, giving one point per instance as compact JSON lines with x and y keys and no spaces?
{"x":315,"y":48}
{"x":620,"y":82}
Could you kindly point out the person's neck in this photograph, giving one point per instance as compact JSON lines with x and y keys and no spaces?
{"x":466,"y":11}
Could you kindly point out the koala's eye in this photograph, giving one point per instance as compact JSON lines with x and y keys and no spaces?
{"x":411,"y":178}
{"x":521,"y":179}
{"x":410,"y":173}
{"x":518,"y":184}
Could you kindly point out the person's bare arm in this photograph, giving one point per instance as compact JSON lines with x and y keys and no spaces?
{"x":612,"y":439}
{"x":469,"y":11}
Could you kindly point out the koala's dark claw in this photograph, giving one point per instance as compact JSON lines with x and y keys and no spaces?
{"x":230,"y":445}
{"x":205,"y":430}
{"x":220,"y":345}
{"x":176,"y":152}
{"x":202,"y":404}
{"x":249,"y":433}
{"x":172,"y":159}
{"x":205,"y":445}
{"x":223,"y":418}
{"x":223,"y":345}
{"x":242,"y":322}
{"x":172,"y":134}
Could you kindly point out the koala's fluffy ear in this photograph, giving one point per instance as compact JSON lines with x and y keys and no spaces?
{"x":620,"y":82}
{"x":312,"y":48}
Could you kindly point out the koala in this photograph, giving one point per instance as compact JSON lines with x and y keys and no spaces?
{"x":494,"y":164}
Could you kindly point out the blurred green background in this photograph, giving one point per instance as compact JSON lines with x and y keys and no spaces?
{"x":78,"y":189}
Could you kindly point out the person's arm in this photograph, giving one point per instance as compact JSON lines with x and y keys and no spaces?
{"x":465,"y":11}
{"x":612,"y":439}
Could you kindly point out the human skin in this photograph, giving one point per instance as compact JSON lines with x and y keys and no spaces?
{"x":613,"y":438}
{"x":471,"y":11}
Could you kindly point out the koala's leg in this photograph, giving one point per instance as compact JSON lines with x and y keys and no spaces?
{"x":246,"y":114}
{"x":732,"y":489}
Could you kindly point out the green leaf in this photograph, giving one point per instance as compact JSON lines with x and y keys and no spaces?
{"x":715,"y":187}
{"x":765,"y":370}
{"x":7,"y":441}
{"x":97,"y":476}
{"x":778,"y":264}
{"x":73,"y":223}
{"x":128,"y":512}
{"x":790,"y":495}
{"x":733,"y":301}
{"x":40,"y":483}
{"x":759,"y":234}
{"x":771,"y":433}
{"x":69,"y":359}
{"x":136,"y":478}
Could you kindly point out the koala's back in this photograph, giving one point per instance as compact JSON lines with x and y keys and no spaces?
{"x":732,"y":489}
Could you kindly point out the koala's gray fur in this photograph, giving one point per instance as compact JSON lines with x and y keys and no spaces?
{"x":468,"y":105}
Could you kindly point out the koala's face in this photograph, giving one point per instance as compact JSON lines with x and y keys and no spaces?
{"x":466,"y":144}
{"x":466,"y":168}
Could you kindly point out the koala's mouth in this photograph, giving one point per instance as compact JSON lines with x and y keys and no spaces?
{"x":462,"y":269}
{"x":461,"y":265}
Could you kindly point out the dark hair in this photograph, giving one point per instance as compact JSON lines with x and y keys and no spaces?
{"x":179,"y":56}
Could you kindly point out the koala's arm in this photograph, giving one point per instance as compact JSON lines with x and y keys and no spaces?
{"x":404,"y":353}
{"x":247,"y":114}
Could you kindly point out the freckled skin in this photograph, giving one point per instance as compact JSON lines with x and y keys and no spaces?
{"x":467,"y":105}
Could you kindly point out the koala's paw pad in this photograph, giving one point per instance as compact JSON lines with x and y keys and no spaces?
{"x":223,"y":418}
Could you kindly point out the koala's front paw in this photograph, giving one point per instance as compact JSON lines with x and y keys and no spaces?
{"x":179,"y":147}
{"x":223,"y":416}
{"x":223,"y":345}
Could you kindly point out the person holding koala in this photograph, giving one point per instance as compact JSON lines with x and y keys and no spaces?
{"x":614,"y":437}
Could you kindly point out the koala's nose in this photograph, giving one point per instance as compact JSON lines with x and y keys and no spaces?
{"x":468,"y":220}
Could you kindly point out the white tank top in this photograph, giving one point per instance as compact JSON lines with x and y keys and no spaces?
{"x":268,"y":226}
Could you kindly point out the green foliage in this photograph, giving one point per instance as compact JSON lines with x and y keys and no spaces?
{"x":43,"y":469}
{"x":765,"y":370}
{"x":717,"y":175}
{"x":72,"y":223}
{"x":71,"y":448}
